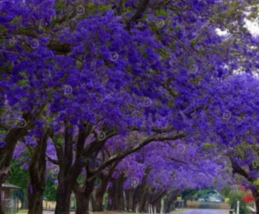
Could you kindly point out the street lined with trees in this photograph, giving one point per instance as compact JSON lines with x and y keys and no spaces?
{"x":138,"y":100}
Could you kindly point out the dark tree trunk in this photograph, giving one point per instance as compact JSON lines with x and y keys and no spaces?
{"x":145,"y":202}
{"x":26,"y":199}
{"x":238,"y":169}
{"x":98,"y":202}
{"x":115,"y":194}
{"x":169,"y":202}
{"x":68,"y":171}
{"x":37,"y":170}
{"x":256,"y":199}
{"x":111,"y":195}
{"x":11,"y":139}
{"x":99,"y":194}
{"x":82,"y":202}
{"x":83,"y":196}
{"x":6,"y":154}
{"x":1,"y":208}
{"x":155,"y":199}
{"x":140,"y":194}
{"x":129,"y":200}
{"x":98,"y":197}
{"x":64,"y":192}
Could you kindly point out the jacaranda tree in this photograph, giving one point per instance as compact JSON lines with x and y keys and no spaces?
{"x":76,"y":74}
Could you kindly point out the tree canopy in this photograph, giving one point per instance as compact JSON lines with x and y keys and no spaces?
{"x":142,"y":96}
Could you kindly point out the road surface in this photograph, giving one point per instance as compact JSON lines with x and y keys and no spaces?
{"x":189,"y":211}
{"x":204,"y":211}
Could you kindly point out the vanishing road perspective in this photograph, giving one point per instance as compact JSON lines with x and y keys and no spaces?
{"x":205,"y":211}
{"x":129,"y":106}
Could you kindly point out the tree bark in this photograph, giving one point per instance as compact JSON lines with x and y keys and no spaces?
{"x":99,"y":194}
{"x":129,"y":200}
{"x":155,"y":199}
{"x":26,"y":199}
{"x":169,"y":202}
{"x":115,"y":194}
{"x":6,"y":155}
{"x":98,"y":202}
{"x":68,"y":171}
{"x":11,"y":139}
{"x":82,"y":202}
{"x":1,"y":207}
{"x":145,"y":202}
{"x":37,"y":170}
{"x":256,"y":199}
{"x":64,"y":192}
{"x":83,"y":196}
{"x":98,"y":197}
{"x":236,"y":168}
{"x":140,"y":194}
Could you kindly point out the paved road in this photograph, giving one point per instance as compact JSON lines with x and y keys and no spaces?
{"x":189,"y":211}
{"x":203,"y":211}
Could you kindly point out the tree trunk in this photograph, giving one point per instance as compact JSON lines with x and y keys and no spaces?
{"x":256,"y":198}
{"x":83,"y":196}
{"x":145,"y":202}
{"x":37,"y":170}
{"x":1,"y":208}
{"x":140,"y":192}
{"x":115,"y":194}
{"x":26,"y":199}
{"x":105,"y":179}
{"x":129,"y":200}
{"x":11,"y":139}
{"x":35,"y":200}
{"x":69,"y":170}
{"x":98,"y":196}
{"x":6,"y":155}
{"x":64,"y":192}
{"x":82,"y":202}
{"x":98,"y":202}
{"x":169,"y":202}
{"x":155,"y":199}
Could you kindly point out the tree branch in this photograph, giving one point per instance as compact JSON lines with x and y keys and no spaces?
{"x":238,"y":169}
{"x":52,"y":160}
{"x":127,"y":152}
{"x":139,"y":13}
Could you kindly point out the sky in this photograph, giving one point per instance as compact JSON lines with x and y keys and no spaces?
{"x":253,"y":27}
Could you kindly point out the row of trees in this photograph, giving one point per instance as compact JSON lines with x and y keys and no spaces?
{"x":85,"y":84}
{"x":140,"y":179}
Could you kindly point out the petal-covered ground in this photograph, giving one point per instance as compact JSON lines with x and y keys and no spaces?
{"x":203,"y":211}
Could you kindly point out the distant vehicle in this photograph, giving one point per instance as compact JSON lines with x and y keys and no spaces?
{"x":214,"y":199}
{"x":212,"y":196}
{"x":201,"y":199}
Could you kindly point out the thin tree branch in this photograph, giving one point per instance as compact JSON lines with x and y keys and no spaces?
{"x":139,"y":13}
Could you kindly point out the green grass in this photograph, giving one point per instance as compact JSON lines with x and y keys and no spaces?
{"x":179,"y":211}
{"x":23,"y":211}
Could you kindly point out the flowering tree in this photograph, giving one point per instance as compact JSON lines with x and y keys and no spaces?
{"x":75,"y":74}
